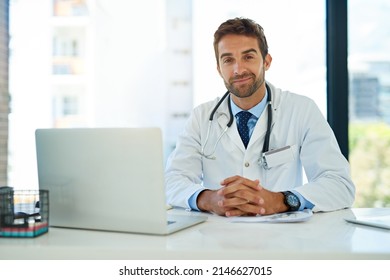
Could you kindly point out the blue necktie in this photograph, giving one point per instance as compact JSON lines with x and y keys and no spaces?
{"x":243,"y":129}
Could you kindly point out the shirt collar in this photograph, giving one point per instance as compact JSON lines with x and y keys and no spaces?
{"x":256,"y":110}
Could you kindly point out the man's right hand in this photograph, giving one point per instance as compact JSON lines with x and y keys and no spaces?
{"x":208,"y":201}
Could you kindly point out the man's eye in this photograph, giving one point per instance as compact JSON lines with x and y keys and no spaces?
{"x":249,"y":57}
{"x":227,"y":60}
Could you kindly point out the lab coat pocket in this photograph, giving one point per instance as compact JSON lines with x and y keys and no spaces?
{"x":279,"y":156}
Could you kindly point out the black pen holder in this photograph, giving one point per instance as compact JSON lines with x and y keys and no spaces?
{"x":23,"y":213}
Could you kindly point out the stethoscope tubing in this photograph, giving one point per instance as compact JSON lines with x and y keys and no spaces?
{"x":228,"y":125}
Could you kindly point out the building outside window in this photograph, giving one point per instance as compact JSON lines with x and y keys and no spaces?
{"x":369,"y":106}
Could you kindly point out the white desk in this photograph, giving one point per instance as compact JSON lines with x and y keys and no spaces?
{"x":324,"y":236}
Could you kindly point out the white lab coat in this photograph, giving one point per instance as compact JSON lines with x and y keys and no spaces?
{"x":296,"y":122}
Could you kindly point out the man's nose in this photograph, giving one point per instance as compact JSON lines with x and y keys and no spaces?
{"x":238,"y":68}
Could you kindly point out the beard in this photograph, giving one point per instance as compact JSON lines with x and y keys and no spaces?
{"x":245,"y":90}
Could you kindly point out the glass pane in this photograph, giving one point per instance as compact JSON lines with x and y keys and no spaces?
{"x":369,"y":95}
{"x":122,"y":63}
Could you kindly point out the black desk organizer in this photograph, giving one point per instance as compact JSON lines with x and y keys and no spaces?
{"x":23,"y":213}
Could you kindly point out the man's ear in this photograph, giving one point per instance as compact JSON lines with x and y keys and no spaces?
{"x":267,"y":61}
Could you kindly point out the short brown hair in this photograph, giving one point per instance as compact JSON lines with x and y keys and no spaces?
{"x":241,"y":26}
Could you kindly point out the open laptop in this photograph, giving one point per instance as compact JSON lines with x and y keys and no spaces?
{"x":106,"y":179}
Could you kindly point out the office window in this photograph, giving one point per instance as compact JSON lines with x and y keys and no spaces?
{"x":137,"y":66}
{"x":369,"y":100}
{"x":67,"y":8}
{"x":68,"y":49}
{"x":69,"y":105}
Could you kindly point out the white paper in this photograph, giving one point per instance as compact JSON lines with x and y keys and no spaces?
{"x":287,"y":217}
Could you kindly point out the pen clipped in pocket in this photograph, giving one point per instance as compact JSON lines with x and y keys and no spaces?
{"x":279,"y":156}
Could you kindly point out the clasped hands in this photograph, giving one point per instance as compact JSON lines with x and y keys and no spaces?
{"x":239,"y":196}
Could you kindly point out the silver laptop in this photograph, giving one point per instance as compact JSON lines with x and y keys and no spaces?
{"x":106,"y":179}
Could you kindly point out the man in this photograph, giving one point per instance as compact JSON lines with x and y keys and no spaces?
{"x":234,"y":164}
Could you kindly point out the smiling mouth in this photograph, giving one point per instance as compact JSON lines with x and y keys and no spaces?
{"x":241,"y":80}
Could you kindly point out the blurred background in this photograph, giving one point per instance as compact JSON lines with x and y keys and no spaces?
{"x":116,"y":63}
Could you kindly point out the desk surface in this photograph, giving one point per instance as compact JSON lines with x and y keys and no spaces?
{"x":324,"y":236}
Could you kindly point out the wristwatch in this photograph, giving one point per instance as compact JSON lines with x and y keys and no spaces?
{"x":291,"y":201}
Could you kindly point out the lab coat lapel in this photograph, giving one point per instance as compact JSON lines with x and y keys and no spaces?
{"x":259,"y":131}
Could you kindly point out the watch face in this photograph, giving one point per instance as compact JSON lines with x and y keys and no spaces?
{"x":292,"y":201}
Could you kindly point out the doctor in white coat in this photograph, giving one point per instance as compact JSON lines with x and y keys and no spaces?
{"x":211,"y":169}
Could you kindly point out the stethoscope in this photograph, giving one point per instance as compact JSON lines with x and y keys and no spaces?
{"x":229,"y":124}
